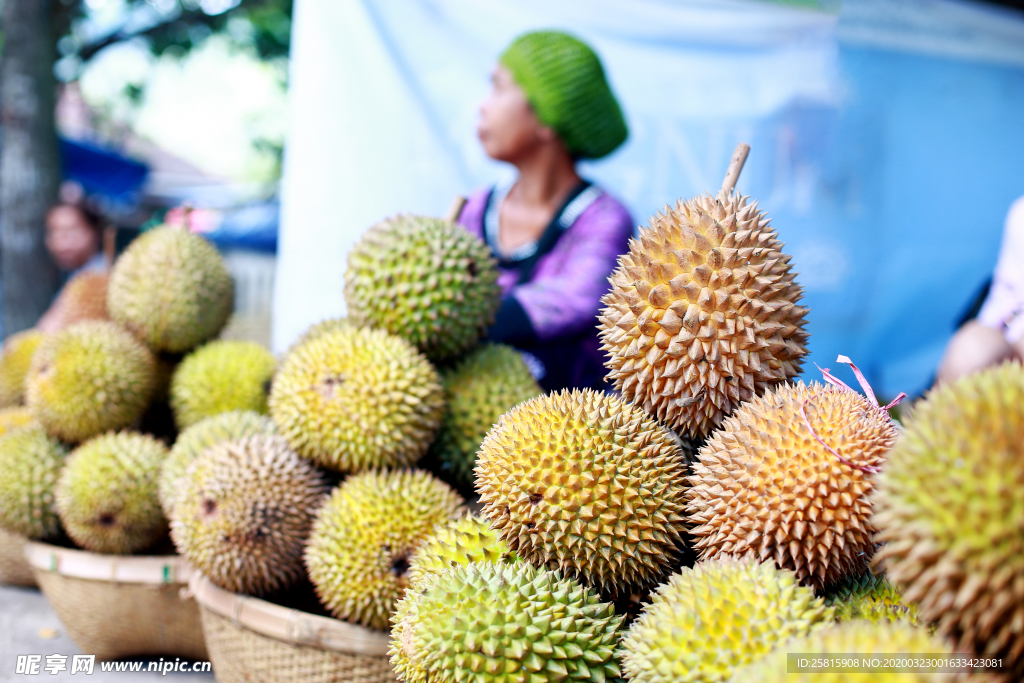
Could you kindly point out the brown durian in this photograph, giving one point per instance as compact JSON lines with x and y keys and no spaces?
{"x":765,"y":486}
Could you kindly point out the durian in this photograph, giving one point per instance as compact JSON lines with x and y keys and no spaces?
{"x":219,"y":377}
{"x":423,"y":279}
{"x":89,"y":378}
{"x":357,"y":399}
{"x":586,"y":483}
{"x":358,"y":554}
{"x":702,"y":313}
{"x":30,"y":462}
{"x":950,"y":512}
{"x":494,"y":623}
{"x":764,"y":486}
{"x":107,"y":493}
{"x":15,"y":359}
{"x":851,"y":638}
{"x":870,"y":596}
{"x":171,"y":289}
{"x":717,"y":616}
{"x":484,"y":386}
{"x":230,"y":426}
{"x":244,"y":513}
{"x":15,"y":418}
{"x":84,"y":297}
{"x":456,"y":542}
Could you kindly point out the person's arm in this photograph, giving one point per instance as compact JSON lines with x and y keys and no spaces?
{"x":564,"y":296}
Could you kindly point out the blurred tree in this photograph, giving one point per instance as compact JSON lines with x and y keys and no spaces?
{"x":29,"y":166}
{"x":175,"y":25}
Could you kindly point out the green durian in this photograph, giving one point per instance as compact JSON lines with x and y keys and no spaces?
{"x":458,"y":541}
{"x":870,"y":596}
{"x":15,"y":359}
{"x":584,"y":482}
{"x":219,"y":377}
{"x":496,"y":623}
{"x":30,"y":462}
{"x":358,"y":554}
{"x":850,"y":638}
{"x":171,"y":289}
{"x":488,"y":383}
{"x":89,"y":378}
{"x":949,"y":510}
{"x":107,"y":493}
{"x":714,"y":617}
{"x":357,"y":399}
{"x":425,"y":280}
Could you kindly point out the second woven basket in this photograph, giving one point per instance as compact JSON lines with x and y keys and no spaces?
{"x":254,"y":640}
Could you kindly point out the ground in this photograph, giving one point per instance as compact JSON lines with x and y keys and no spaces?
{"x":29,"y":626}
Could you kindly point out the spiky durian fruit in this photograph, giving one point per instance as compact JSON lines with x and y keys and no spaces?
{"x":89,"y":378}
{"x":870,"y":596}
{"x":950,"y":512}
{"x":15,"y":359}
{"x":586,"y":483}
{"x":850,"y":638}
{"x":15,"y":418}
{"x":107,"y":493}
{"x":245,"y":511}
{"x":425,"y":280}
{"x":31,"y":462}
{"x":230,"y":426}
{"x":491,"y":622}
{"x":484,"y":386}
{"x":84,"y":297}
{"x":219,"y":377}
{"x":357,"y":399}
{"x":455,"y":542}
{"x":702,"y":313}
{"x":765,"y":486}
{"x":358,"y":553}
{"x":171,"y":289}
{"x":717,"y":616}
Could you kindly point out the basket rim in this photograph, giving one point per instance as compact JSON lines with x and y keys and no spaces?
{"x":83,"y":564}
{"x":290,"y":626}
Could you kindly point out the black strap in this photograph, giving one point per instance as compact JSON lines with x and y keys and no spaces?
{"x":524,"y":267}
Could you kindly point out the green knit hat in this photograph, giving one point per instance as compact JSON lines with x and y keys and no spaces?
{"x":565,"y":84}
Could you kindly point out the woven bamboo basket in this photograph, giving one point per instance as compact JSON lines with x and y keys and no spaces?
{"x":117,"y":606}
{"x":254,"y":640}
{"x":14,"y":569}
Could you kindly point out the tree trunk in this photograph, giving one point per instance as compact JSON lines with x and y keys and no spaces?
{"x":29,"y":164}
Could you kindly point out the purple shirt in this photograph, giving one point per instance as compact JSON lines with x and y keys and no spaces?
{"x":563,"y":295}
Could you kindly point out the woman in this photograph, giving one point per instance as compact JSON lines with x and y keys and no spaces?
{"x":556,"y":236}
{"x":997,"y":334}
{"x":74,"y":238}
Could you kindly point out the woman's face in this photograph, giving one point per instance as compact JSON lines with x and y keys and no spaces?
{"x":69,"y":238}
{"x":508,"y":128}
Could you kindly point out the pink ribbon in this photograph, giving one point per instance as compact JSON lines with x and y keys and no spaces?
{"x":835,"y":381}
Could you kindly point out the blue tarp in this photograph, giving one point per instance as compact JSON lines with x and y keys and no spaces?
{"x":887,"y":142}
{"x":102,"y":171}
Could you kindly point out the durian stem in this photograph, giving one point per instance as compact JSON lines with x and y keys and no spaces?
{"x":455,"y":209}
{"x":739,"y":157}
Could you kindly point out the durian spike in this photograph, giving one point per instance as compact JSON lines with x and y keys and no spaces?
{"x":739,"y":157}
{"x":455,"y":210}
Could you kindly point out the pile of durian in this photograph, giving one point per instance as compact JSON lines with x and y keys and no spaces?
{"x":708,"y":517}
